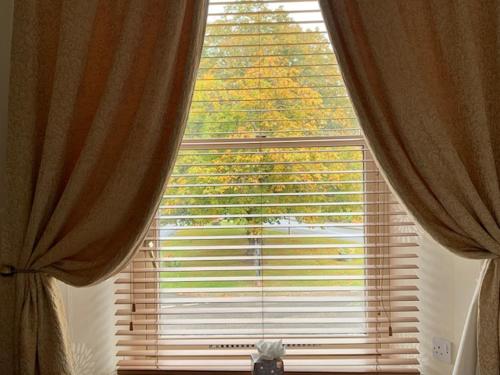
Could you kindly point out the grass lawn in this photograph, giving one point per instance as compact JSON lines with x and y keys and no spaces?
{"x":245,"y":283}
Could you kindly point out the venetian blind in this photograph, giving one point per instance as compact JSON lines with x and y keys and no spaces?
{"x":276,"y":223}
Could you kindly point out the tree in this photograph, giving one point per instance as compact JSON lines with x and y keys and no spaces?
{"x":275,"y":92}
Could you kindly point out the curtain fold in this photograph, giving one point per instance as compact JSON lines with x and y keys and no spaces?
{"x":99,"y":96}
{"x":424,"y":80}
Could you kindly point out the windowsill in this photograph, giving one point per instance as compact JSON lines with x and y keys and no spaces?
{"x":178,"y":372}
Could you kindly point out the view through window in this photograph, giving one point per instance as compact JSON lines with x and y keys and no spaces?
{"x":276,"y":222}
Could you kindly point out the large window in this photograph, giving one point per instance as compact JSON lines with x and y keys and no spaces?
{"x":276,"y":222}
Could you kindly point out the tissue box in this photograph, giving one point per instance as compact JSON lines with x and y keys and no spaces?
{"x":268,"y":367}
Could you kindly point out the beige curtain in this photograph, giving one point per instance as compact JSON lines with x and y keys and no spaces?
{"x":99,"y":96}
{"x":424,"y":77}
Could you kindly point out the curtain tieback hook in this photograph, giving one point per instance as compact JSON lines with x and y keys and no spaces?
{"x":7,"y":270}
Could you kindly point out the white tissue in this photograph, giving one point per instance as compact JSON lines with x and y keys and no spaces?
{"x":268,"y":350}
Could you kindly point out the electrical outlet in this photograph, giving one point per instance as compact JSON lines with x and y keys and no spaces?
{"x":441,"y":349}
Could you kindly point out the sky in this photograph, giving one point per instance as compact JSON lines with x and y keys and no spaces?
{"x":306,"y":6}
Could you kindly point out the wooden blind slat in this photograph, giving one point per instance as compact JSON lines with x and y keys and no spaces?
{"x":276,"y":222}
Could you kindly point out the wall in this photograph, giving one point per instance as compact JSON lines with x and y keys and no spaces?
{"x":91,"y":321}
{"x":446,"y":288}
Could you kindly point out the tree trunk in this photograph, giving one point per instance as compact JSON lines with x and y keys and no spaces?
{"x":256,"y":244}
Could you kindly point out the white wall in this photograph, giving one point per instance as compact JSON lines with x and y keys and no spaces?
{"x":447,"y":284}
{"x":91,"y":320}
{"x":446,"y":287}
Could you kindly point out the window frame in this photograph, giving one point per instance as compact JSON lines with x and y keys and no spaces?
{"x":378,"y":211}
{"x":368,"y":296}
{"x":194,"y":372}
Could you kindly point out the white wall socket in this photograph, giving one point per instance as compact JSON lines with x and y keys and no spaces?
{"x":441,"y":349}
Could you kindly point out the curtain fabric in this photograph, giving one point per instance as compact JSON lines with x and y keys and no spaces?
{"x":424,"y":80}
{"x":99,"y":96}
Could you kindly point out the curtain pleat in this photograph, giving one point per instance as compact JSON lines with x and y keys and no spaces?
{"x":99,"y":96}
{"x":424,"y":77}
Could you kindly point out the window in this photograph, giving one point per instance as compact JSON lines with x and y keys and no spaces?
{"x":276,"y":222}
